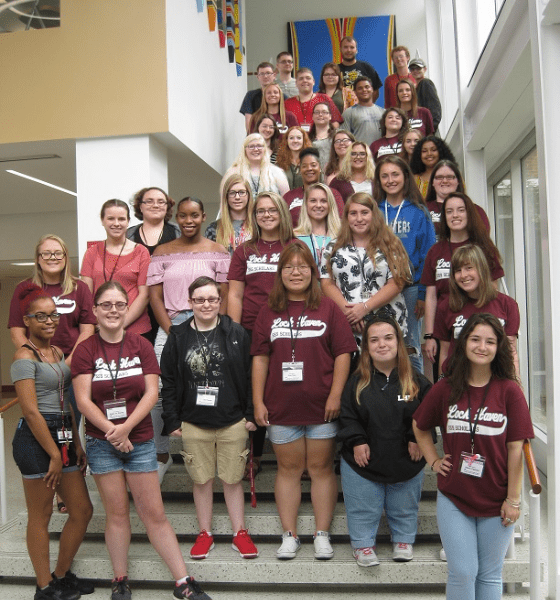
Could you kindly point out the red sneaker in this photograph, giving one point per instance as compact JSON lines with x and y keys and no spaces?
{"x":204,"y":543}
{"x":243,"y":543}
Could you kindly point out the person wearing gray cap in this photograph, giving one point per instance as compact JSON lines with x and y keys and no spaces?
{"x":426,"y":90}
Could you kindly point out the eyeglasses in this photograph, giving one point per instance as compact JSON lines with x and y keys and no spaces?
{"x":43,"y":317}
{"x":107,"y":306}
{"x":201,"y":301}
{"x":445,"y":178}
{"x":265,"y":74}
{"x":286,"y":61}
{"x":330,"y":75}
{"x":301,"y":268}
{"x":255,"y":147}
{"x":323,"y":113}
{"x":240,"y":193}
{"x":151,"y":202}
{"x":342,"y":141}
{"x":358,"y":154}
{"x":47,"y":255}
{"x":261,"y":212}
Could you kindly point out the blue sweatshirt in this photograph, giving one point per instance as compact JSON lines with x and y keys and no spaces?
{"x":415,"y":230}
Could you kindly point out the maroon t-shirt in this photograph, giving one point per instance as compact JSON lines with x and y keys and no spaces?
{"x":449,"y":324}
{"x":137,"y":359}
{"x":294,"y":200}
{"x":423,"y":121}
{"x":257,"y":271}
{"x":504,"y":418}
{"x":323,"y":334}
{"x":75,"y":309}
{"x":435,"y":212}
{"x":384,"y":146}
{"x":437,"y":266}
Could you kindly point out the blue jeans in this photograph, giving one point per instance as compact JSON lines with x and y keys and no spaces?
{"x":475,"y":548}
{"x":365,"y":501}
{"x":104,"y":458}
{"x":162,"y":441}
{"x":412,"y":339}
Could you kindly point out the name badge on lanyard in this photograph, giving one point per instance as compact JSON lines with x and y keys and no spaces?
{"x":206,"y":395}
{"x":115,"y":409}
{"x":472,"y":464}
{"x":64,"y":435}
{"x":292,"y":371}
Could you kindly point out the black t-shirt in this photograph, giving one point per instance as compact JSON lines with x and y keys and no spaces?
{"x":205,"y":361}
{"x":359,"y":69}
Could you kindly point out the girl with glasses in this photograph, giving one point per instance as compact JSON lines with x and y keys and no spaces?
{"x":301,"y":348}
{"x":331,"y":84}
{"x":356,"y":172}
{"x":322,"y":131}
{"x":115,"y":375}
{"x":47,"y":448}
{"x":173,"y":268}
{"x":341,"y":142}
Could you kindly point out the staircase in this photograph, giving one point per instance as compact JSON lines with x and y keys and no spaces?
{"x":225,"y":574}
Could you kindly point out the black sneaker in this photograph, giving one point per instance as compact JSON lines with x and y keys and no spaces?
{"x":121,"y":589}
{"x":191,"y":589}
{"x":52,"y":593}
{"x":70,"y":581}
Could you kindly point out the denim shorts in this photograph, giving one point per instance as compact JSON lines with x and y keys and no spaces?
{"x":30,"y":456}
{"x":284,"y":434}
{"x":103,"y":457}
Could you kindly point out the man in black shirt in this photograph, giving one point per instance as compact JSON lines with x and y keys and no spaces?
{"x":351,"y":68}
{"x":425,"y":90}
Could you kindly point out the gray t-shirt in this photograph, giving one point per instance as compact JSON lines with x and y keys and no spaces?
{"x":324,"y":147}
{"x":46,"y":378}
{"x":289,"y":89}
{"x":363,"y":122}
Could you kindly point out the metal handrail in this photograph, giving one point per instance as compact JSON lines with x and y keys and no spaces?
{"x":532,"y":467}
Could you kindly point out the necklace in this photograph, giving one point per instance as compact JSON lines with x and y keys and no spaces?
{"x":143,"y":235}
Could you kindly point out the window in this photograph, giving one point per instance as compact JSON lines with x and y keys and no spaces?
{"x":504,"y":230}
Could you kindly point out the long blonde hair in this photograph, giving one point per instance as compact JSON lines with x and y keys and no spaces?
{"x":67,"y":280}
{"x":409,"y":387}
{"x":345,"y":171}
{"x":382,"y":238}
{"x":263,"y":108}
{"x":286,"y":232}
{"x":333,"y":220}
{"x":225,"y":234}
{"x":242,"y":166}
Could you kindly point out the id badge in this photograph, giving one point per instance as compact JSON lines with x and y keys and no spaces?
{"x":292,"y":371}
{"x":64,"y":435}
{"x":115,"y":409}
{"x":306,"y":127}
{"x":442,"y":273}
{"x":472,"y":464}
{"x":207,"y":396}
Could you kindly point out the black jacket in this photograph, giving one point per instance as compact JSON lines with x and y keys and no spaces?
{"x":428,"y":98}
{"x":175,"y":371}
{"x":383,"y":422}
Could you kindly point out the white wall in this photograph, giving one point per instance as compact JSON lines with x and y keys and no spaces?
{"x":267,"y":23}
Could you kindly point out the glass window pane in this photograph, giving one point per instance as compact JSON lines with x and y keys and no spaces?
{"x":534,"y":279}
{"x":504,"y":230}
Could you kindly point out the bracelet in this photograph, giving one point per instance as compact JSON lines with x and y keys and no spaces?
{"x":514,"y":504}
{"x":428,"y":336}
{"x":435,"y":461}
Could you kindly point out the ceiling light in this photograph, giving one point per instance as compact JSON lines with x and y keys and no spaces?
{"x":56,"y":187}
{"x":23,"y":264}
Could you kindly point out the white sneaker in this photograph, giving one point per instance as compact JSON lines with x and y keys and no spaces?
{"x":323,"y":548}
{"x":290,"y":546}
{"x":442,"y":555}
{"x":366,"y":557}
{"x":162,"y":468}
{"x":402,"y":552}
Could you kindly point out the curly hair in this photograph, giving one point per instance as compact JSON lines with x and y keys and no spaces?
{"x":431,"y":195}
{"x":502,"y":366}
{"x":366,"y":366}
{"x":444,"y":152}
{"x":402,"y":115}
{"x":413,"y":98}
{"x":334,"y":159}
{"x":382,"y":238}
{"x":278,"y":299}
{"x":345,"y":172}
{"x":410,"y":189}
{"x":284,"y":155}
{"x":476,"y":230}
{"x":139,"y":196}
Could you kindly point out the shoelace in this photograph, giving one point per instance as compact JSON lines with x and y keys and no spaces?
{"x":121,"y":586}
{"x":402,"y":546}
{"x":366,"y":550}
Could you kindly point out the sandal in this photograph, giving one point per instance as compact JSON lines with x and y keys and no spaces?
{"x":61,"y":507}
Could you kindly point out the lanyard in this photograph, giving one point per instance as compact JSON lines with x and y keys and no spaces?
{"x":206,"y":350}
{"x":361,"y":262}
{"x":318,"y":252}
{"x":116,"y":376}
{"x":304,"y":111}
{"x":116,"y":263}
{"x":472,"y":426}
{"x":394,"y":224}
{"x":293,"y":339}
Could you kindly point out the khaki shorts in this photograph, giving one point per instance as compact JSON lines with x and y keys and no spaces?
{"x":204,"y":449}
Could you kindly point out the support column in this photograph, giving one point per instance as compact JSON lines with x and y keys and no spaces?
{"x":114,"y":168}
{"x":545,"y":49}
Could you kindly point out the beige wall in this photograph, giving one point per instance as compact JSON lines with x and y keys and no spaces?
{"x":103,"y":72}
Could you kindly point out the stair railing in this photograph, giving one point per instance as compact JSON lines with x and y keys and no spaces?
{"x":3,"y":484}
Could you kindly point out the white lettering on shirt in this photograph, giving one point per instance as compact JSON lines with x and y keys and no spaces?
{"x":280,"y":328}
{"x":64,"y":306}
{"x":460,"y":322}
{"x":458,"y":421}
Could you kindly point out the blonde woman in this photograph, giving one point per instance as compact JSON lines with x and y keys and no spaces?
{"x":233,"y":227}
{"x":319,"y":221}
{"x":273,"y":104}
{"x":253,"y":164}
{"x":356,"y":172}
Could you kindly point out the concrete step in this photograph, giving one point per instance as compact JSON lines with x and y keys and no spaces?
{"x":224,"y":565}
